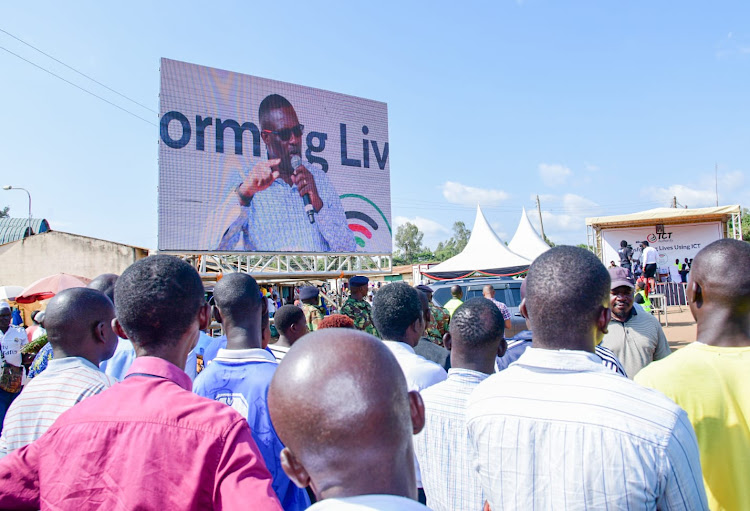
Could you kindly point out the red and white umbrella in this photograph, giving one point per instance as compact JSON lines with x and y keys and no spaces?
{"x":48,"y":287}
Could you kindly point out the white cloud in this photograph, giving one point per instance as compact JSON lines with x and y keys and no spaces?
{"x":590,"y":167}
{"x":554,"y":174}
{"x":700,"y":194}
{"x":457,"y":193}
{"x":564,"y":217}
{"x":434,"y":232}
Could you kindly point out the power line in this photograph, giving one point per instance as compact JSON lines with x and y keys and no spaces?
{"x":77,"y":71}
{"x":79,"y":87}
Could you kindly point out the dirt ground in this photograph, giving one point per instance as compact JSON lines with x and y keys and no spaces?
{"x":681,"y":330}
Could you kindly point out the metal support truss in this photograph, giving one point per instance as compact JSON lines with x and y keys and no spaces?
{"x":594,"y":240}
{"x":735,"y":231}
{"x":291,"y":266}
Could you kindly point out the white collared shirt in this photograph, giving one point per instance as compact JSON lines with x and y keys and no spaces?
{"x":445,"y":458}
{"x":420,"y":373}
{"x":558,"y":429}
{"x":368,"y":503}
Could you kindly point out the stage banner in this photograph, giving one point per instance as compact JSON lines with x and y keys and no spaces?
{"x":248,"y":164}
{"x":671,"y":242}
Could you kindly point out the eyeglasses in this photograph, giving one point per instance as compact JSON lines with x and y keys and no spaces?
{"x":286,"y":133}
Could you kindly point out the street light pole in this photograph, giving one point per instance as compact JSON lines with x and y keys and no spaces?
{"x":9,"y":187}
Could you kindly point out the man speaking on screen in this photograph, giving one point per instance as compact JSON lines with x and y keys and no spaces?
{"x":283,"y":203}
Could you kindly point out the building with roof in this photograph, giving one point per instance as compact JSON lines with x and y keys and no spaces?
{"x":27,"y":259}
{"x":14,"y":229}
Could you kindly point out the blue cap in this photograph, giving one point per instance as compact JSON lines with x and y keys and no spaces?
{"x":358,"y":280}
{"x":308,"y":292}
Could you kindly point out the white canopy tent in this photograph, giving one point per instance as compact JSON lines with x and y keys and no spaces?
{"x":526,"y":241}
{"x":485,"y":254}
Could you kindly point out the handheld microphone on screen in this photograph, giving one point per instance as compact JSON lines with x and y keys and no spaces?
{"x":309,"y":209}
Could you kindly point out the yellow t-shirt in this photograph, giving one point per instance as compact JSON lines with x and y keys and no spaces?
{"x":712,"y":384}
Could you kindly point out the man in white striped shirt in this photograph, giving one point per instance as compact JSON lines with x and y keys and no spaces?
{"x":79,"y":327}
{"x":557,"y":429}
{"x":442,"y":448}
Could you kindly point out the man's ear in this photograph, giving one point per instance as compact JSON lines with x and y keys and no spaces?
{"x":294,"y":469}
{"x":216,"y":313}
{"x":523,"y":310}
{"x":502,"y":348}
{"x":117,"y":327}
{"x":98,"y":332}
{"x":695,"y":294}
{"x":417,"y":411}
{"x":204,"y":316}
{"x":448,"y":341}
{"x":602,"y":322}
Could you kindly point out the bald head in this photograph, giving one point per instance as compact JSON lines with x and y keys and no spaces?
{"x":456,"y":291}
{"x":106,"y":284}
{"x":719,"y":288}
{"x":340,"y":404}
{"x":566,"y":289}
{"x":79,"y":323}
{"x":488,"y":291}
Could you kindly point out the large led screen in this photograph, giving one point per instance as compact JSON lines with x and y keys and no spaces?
{"x":250,"y":164}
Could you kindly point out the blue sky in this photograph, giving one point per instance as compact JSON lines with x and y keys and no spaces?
{"x":597,"y":107}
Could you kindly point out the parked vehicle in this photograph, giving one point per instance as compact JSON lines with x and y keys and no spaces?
{"x":507,"y":290}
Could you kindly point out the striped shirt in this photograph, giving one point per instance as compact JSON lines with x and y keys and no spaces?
{"x":557,"y":430}
{"x":64,"y":383}
{"x":503,"y":308}
{"x":516,"y":347}
{"x":442,"y":448}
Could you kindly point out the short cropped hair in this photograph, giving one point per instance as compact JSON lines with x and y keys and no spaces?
{"x":477,"y":322}
{"x":565,"y":288}
{"x":271,"y":102}
{"x":394,"y":308}
{"x":157,"y":299}
{"x":286,"y":316}
{"x":236,"y":294}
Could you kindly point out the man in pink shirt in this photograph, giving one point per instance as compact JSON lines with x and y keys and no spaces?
{"x":148,"y":442}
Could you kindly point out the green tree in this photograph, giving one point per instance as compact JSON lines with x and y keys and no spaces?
{"x":409,"y":242}
{"x":4,"y":212}
{"x":461,"y":235}
{"x":745,"y":223}
{"x":549,"y":241}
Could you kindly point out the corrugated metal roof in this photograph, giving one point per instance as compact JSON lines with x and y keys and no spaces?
{"x":14,"y":229}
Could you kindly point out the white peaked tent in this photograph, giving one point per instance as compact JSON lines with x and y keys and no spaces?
{"x":485,"y":253}
{"x":526,"y":241}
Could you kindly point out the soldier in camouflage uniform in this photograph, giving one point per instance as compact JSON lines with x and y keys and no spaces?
{"x":439,"y":319}
{"x":314,"y":313}
{"x":357,"y":308}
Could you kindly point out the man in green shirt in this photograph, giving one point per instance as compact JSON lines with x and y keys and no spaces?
{"x":454,"y":303}
{"x":357,"y":308}
{"x":314,"y":312}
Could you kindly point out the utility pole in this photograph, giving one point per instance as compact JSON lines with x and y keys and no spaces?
{"x":539,"y":210}
{"x":716,"y":180}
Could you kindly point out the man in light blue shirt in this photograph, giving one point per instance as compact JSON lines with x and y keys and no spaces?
{"x":445,"y":457}
{"x":239,"y":376}
{"x":284,"y":203}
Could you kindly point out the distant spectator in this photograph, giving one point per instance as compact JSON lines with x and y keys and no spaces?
{"x":336,"y":321}
{"x":635,"y":337}
{"x":488,"y":291}
{"x":12,"y":339}
{"x":626,"y":257}
{"x":291,"y":324}
{"x":437,"y":327}
{"x":79,"y":326}
{"x":425,"y":347}
{"x":456,"y":299}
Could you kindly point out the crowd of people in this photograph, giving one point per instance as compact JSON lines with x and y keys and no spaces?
{"x":398,"y":404}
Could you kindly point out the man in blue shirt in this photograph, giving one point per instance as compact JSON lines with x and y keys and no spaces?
{"x":240,"y":375}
